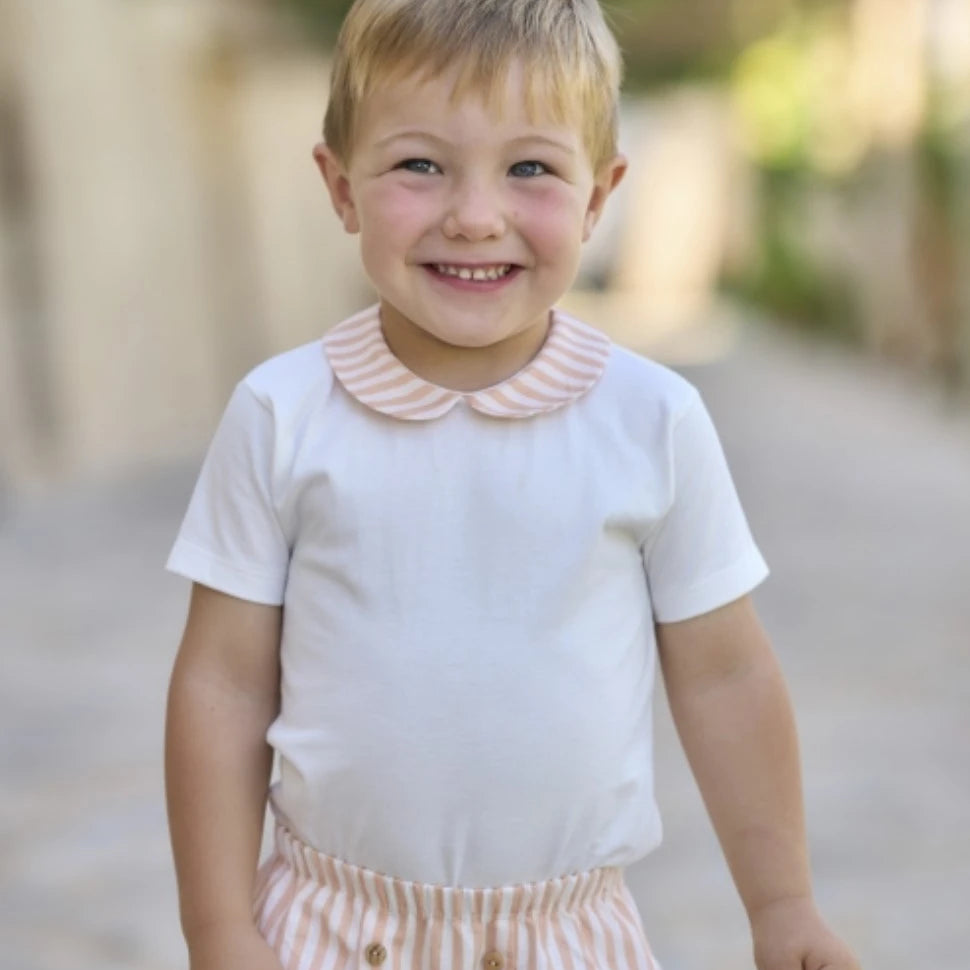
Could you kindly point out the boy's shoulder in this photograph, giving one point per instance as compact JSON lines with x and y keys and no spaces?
{"x":640,"y":383}
{"x":631,"y":373}
{"x":304,"y":370}
{"x":291,"y":375}
{"x":647,"y":374}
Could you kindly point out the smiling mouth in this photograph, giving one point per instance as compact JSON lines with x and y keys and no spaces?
{"x":476,"y":274}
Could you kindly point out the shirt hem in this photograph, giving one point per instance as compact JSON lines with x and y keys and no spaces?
{"x":718,"y":590}
{"x":192,"y":563}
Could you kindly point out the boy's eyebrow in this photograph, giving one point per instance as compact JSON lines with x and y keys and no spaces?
{"x":549,"y":141}
{"x":409,"y":133}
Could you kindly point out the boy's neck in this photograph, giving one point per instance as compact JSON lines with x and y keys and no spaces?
{"x":461,"y":368}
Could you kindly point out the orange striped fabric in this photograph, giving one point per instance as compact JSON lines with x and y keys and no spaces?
{"x":319,"y":913}
{"x":569,"y":363}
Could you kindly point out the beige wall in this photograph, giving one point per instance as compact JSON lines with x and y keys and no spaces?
{"x":180,"y":231}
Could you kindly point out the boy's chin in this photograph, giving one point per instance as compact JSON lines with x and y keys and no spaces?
{"x":475,"y":333}
{"x":482,"y":339}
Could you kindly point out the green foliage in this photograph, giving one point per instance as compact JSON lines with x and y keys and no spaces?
{"x":789,"y":95}
{"x":785,"y":280}
{"x":942,"y":154}
{"x":320,"y":18}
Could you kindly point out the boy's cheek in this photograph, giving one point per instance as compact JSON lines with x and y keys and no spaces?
{"x":397,"y":205}
{"x":550,"y":206}
{"x":555,"y":227}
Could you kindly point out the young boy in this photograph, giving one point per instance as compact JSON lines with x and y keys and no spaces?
{"x":436,"y":554}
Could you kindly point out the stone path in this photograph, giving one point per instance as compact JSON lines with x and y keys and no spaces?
{"x":857,"y":485}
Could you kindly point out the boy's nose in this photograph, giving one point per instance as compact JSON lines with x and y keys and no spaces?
{"x":474,"y":213}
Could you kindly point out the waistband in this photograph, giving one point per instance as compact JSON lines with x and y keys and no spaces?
{"x":428,"y":901}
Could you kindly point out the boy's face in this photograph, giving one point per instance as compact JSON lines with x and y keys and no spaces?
{"x":471,"y":221}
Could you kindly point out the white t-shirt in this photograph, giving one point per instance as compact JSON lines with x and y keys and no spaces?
{"x":470,"y":584}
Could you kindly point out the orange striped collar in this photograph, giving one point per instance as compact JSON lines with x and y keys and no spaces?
{"x":568,"y":364}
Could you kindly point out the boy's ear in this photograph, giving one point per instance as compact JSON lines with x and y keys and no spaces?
{"x":608,"y":178}
{"x":338,"y":185}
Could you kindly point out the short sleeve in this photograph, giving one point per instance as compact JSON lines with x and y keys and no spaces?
{"x":702,"y":555}
{"x":231,"y":538}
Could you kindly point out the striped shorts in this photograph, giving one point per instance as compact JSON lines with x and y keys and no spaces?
{"x":319,"y":913}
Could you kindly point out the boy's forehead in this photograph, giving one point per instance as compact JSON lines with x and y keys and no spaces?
{"x":518,"y":96}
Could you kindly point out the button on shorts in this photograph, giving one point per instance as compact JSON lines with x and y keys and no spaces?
{"x":319,"y":913}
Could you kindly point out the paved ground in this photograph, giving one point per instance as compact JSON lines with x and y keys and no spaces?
{"x":858,"y":488}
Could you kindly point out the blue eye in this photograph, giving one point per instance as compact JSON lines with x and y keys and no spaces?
{"x":422,"y":166}
{"x":528,"y":169}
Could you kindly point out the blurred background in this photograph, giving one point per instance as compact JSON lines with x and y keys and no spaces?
{"x":793,"y":235}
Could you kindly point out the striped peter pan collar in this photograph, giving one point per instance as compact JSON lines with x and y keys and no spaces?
{"x":568,"y":364}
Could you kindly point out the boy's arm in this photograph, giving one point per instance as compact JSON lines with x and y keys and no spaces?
{"x":732,"y":712}
{"x":224,"y":694}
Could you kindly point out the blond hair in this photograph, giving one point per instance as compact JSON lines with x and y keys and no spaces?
{"x":571,"y":60}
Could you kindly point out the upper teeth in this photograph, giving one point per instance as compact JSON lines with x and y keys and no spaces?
{"x":482,"y":273}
